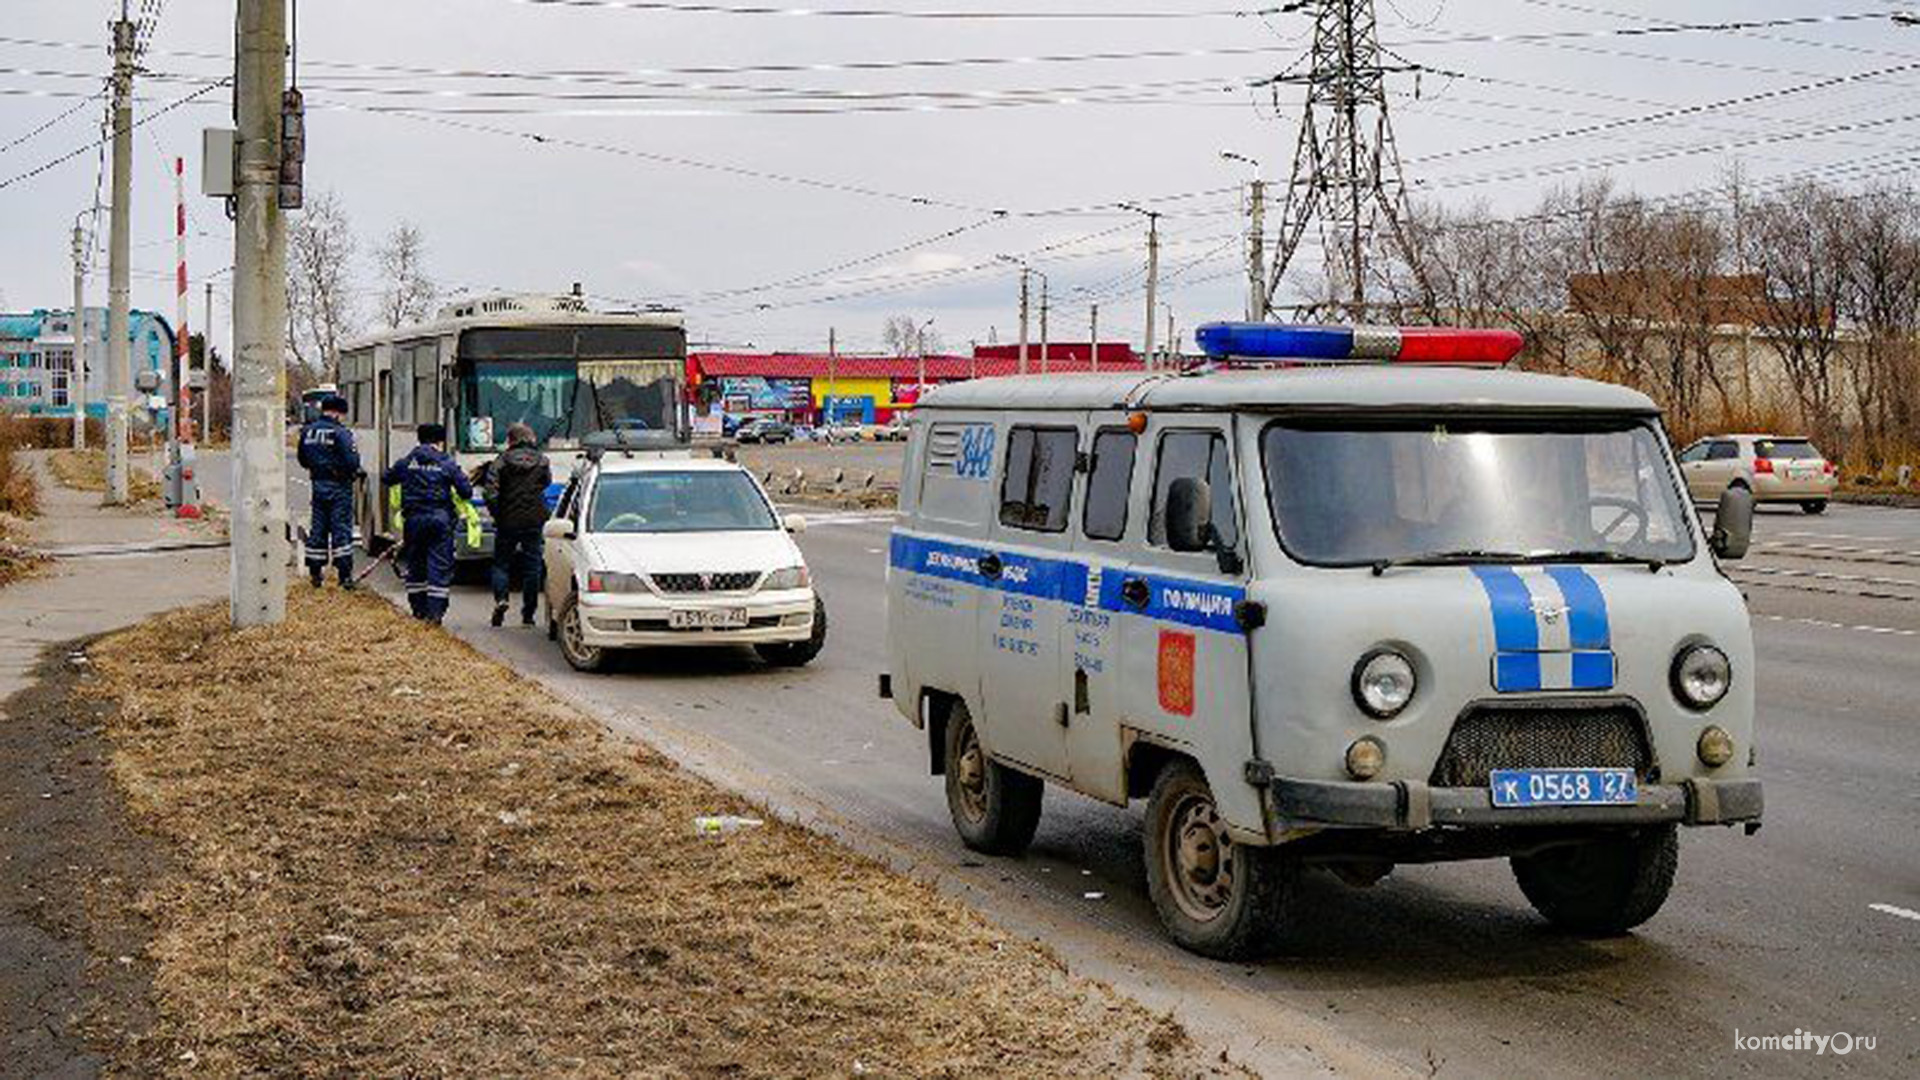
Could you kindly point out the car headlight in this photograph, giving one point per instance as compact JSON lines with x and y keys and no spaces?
{"x":1383,"y":683}
{"x":1701,"y":676}
{"x":793,"y":577}
{"x":607,"y":581}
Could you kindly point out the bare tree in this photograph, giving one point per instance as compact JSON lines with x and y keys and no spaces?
{"x":320,"y":293}
{"x":905,"y":335}
{"x":1791,"y":238}
{"x":407,"y":294}
{"x":1881,"y":303}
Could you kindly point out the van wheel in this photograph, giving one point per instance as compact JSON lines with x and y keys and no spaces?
{"x":1814,"y":506}
{"x":799,"y":653}
{"x":573,"y":643}
{"x":1604,"y":887}
{"x":1215,"y":897}
{"x":995,"y":809}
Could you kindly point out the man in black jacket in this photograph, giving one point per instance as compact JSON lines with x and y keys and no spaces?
{"x":516,"y":486}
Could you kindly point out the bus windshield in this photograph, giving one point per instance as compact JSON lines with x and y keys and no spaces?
{"x":564,"y":401}
{"x":1353,"y":494}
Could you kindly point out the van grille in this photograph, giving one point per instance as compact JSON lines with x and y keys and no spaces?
{"x":1486,"y":738}
{"x":739,"y":581}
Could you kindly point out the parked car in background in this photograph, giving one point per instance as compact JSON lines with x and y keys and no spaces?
{"x":653,"y":551}
{"x":894,"y":430}
{"x":844,"y":432}
{"x":764,"y":430}
{"x":1775,"y":468}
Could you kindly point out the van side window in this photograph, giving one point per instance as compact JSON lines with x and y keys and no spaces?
{"x":1108,"y":484}
{"x":1038,"y":483}
{"x":1203,"y":456}
{"x":1723,"y":451}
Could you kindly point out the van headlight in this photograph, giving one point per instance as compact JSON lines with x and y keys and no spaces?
{"x":1701,"y":676}
{"x":608,"y":581}
{"x":793,"y":577}
{"x":1383,"y":683}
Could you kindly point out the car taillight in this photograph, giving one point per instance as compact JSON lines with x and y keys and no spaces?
{"x":1763,"y":465}
{"x":1828,"y":468}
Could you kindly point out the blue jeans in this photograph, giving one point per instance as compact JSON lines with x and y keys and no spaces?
{"x":521,"y":551}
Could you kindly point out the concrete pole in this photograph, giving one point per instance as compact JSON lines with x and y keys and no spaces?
{"x":1093,"y":335}
{"x":259,"y":579}
{"x":119,"y":252}
{"x":1153,"y":280}
{"x":1257,"y":255}
{"x":833,"y":374}
{"x":206,"y":369}
{"x":77,"y":380}
{"x":1023,"y":320}
{"x":1045,"y":285}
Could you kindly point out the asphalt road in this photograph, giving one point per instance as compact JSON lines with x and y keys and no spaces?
{"x":1438,"y":968}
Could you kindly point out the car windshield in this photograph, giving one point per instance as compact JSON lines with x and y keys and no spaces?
{"x":1482,"y":491}
{"x":678,"y":502}
{"x":1785,"y":449}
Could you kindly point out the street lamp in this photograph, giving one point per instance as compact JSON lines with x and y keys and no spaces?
{"x":1256,"y":239}
{"x":920,"y":346}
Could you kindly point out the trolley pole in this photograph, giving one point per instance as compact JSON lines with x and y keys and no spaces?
{"x":119,"y":252}
{"x":259,"y":577}
{"x":1093,"y":335}
{"x":1257,"y":255}
{"x":1045,"y":286}
{"x":77,"y":380}
{"x":1023,"y":320}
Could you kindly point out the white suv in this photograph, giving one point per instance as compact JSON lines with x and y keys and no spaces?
{"x":649,"y":551}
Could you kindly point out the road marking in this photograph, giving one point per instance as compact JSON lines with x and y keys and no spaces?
{"x":1825,"y":625}
{"x":1897,"y":912}
{"x":1822,"y":575}
{"x":1843,"y":536}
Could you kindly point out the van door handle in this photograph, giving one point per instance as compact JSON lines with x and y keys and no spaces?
{"x":1136,"y":593}
{"x":990,"y":565}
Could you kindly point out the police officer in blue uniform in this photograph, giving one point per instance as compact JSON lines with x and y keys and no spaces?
{"x":333,"y":464}
{"x":428,"y":479}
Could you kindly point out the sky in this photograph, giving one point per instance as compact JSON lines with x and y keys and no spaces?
{"x":785,"y":173}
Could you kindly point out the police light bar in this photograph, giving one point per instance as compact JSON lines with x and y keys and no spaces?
{"x":1349,"y":344}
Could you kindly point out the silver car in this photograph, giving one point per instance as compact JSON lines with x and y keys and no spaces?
{"x":1775,"y":468}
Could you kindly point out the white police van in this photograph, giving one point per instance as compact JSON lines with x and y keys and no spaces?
{"x":1362,"y":606}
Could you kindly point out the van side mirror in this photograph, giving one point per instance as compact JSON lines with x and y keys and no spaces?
{"x":1732,"y":524}
{"x":557,"y":529}
{"x":1189,"y":514}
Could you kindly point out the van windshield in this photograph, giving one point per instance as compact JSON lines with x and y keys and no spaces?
{"x":1353,"y":494}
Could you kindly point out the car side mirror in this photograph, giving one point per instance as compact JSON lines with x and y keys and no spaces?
{"x":557,"y":529}
{"x":1189,"y":514}
{"x":795,"y":523}
{"x":1732,"y":524}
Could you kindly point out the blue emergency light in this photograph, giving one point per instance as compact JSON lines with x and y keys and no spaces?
{"x":1410,"y":344}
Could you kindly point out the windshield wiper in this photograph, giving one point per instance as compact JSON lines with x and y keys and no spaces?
{"x":1449,"y":558}
{"x":1650,"y":562}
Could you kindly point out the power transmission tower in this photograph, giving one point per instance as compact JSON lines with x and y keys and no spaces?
{"x":1346,"y":168}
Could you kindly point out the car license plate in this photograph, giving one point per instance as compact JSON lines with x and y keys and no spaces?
{"x":708,"y":619}
{"x":1564,"y":787}
{"x":1804,"y":472}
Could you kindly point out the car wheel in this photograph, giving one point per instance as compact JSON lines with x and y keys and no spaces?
{"x":1216,"y":897}
{"x":996,"y":810}
{"x":1814,"y":506}
{"x":799,"y":653}
{"x":1604,"y":887}
{"x":573,"y":644}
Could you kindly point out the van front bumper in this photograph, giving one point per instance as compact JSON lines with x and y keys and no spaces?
{"x":1413,"y":805}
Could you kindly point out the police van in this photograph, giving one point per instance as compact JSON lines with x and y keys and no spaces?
{"x":1344,"y":598}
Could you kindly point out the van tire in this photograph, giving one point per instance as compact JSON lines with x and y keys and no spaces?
{"x":1601,"y":888}
{"x":578,"y":655}
{"x":799,"y":653}
{"x":1814,"y":506}
{"x":996,"y":810}
{"x":1239,"y":921}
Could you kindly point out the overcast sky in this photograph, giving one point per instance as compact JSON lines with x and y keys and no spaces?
{"x":814,"y":190}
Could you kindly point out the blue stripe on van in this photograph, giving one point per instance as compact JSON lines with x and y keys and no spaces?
{"x":1586,"y":610}
{"x":1513,"y":627}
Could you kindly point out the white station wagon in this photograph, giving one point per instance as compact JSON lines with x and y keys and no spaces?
{"x":1336,"y":616}
{"x":651,"y":550}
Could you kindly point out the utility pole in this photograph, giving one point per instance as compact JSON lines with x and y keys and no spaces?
{"x":1045,"y":285}
{"x":1023,"y":320}
{"x":77,"y":380}
{"x":1093,"y":335}
{"x":1257,"y":303}
{"x":119,"y":245}
{"x":206,"y":370}
{"x":833,"y":374}
{"x":259,"y":579}
{"x":1153,"y":277}
{"x":1173,"y":340}
{"x":1346,"y":166}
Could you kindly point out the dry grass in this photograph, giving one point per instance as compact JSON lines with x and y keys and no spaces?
{"x":19,"y":488}
{"x":16,"y":560}
{"x":86,"y":470}
{"x":399,"y":859}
